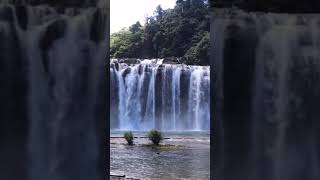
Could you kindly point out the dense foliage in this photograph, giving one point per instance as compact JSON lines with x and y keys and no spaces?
{"x":181,"y":32}
{"x":155,"y":137}
{"x":129,"y":137}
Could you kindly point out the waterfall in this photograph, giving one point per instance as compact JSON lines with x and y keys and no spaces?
{"x":151,"y":95}
{"x":267,"y":92}
{"x":52,"y":74}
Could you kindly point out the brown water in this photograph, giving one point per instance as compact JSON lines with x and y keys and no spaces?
{"x":187,"y":157}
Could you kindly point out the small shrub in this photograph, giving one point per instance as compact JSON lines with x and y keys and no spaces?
{"x":129,"y":137}
{"x":155,"y":136}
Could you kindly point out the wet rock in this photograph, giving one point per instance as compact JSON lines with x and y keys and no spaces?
{"x":184,"y":95}
{"x":97,"y":33}
{"x":6,"y":14}
{"x":158,"y":97}
{"x":22,"y":16}
{"x":14,"y":94}
{"x":171,"y":60}
{"x":129,"y":61}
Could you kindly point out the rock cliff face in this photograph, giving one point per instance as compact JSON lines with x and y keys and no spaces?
{"x":266,"y":93}
{"x":53,"y":113}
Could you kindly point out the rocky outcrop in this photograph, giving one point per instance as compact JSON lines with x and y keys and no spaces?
{"x":171,"y":60}
{"x":131,"y":61}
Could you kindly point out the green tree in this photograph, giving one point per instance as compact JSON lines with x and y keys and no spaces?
{"x":181,"y":32}
{"x":159,"y":13}
{"x":135,"y":28}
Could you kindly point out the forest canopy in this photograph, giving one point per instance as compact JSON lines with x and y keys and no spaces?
{"x":181,"y":32}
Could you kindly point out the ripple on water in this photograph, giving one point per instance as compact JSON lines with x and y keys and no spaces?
{"x":186,"y":160}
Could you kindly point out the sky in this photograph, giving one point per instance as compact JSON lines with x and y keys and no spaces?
{"x":124,"y":13}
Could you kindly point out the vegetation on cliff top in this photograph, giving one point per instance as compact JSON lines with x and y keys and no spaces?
{"x":181,"y":32}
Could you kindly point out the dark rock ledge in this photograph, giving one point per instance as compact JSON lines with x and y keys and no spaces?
{"x":121,"y":177}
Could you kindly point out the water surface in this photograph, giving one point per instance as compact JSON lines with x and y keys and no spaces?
{"x":188,"y":159}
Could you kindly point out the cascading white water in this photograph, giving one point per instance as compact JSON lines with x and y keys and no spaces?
{"x":150,"y":95}
{"x":268,"y":74}
{"x":59,"y":56}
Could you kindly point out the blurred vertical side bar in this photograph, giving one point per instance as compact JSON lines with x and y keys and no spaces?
{"x":54,"y":89}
